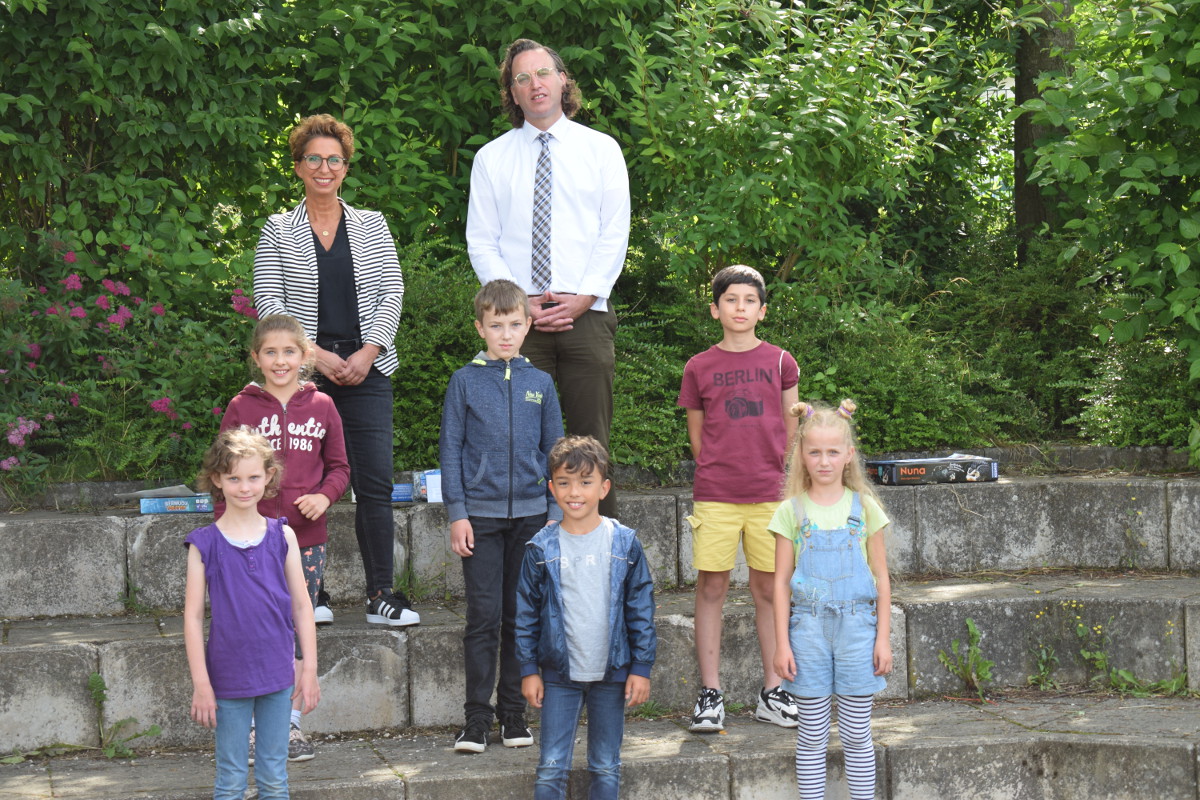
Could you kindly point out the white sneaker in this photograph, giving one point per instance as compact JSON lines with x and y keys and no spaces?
{"x":709,"y":714}
{"x":386,"y":610}
{"x":323,"y":615}
{"x":777,"y":707}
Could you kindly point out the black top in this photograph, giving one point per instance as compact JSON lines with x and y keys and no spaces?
{"x":337,"y":300}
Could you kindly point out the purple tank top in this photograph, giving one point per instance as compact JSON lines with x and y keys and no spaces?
{"x":250,"y":650}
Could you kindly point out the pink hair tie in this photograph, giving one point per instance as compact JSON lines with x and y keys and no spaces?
{"x":847,"y":408}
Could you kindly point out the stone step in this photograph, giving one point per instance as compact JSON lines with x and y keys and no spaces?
{"x":1098,"y":747}
{"x":381,"y":678}
{"x":76,"y":564}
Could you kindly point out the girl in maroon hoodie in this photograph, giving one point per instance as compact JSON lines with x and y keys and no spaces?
{"x":305,"y":429}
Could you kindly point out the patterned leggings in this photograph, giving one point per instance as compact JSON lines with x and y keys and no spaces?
{"x":812,"y":740}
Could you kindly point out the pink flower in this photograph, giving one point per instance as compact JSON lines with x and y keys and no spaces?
{"x":217,"y":411}
{"x":108,"y":284}
{"x":187,"y":426}
{"x":119,"y":319}
{"x":103,"y":302}
{"x":32,"y":365}
{"x":122,"y":289}
{"x":78,"y":312}
{"x":70,"y":258}
{"x":42,"y":290}
{"x":243,"y":305}
{"x":35,"y":350}
{"x":49,"y":418}
{"x":161,"y":405}
{"x":35,"y":313}
{"x":73,"y":399}
{"x":125,"y":246}
{"x":52,"y":311}
{"x":137,"y":301}
{"x":72,"y":281}
{"x":9,"y":463}
{"x":157,"y":308}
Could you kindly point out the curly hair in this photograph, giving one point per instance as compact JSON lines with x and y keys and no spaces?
{"x":310,"y":128}
{"x":232,"y":446}
{"x":571,"y":99}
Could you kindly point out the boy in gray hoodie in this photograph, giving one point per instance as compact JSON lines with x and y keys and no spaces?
{"x":500,"y":419}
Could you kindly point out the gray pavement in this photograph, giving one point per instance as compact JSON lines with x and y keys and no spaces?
{"x":1036,"y":746}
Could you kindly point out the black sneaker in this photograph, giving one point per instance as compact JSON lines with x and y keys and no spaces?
{"x":385,"y":609}
{"x":514,"y":732}
{"x":474,"y":737}
{"x":709,"y":714}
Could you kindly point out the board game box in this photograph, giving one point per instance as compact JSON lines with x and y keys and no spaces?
{"x":954,"y":468}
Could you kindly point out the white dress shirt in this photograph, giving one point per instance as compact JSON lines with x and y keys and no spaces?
{"x":589,"y":215}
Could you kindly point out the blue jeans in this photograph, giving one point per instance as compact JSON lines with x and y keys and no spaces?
{"x":272,"y":715}
{"x":366,"y":411}
{"x":490,"y":577}
{"x":561,"y":704}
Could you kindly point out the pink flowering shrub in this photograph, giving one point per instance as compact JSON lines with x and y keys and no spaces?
{"x":108,"y":372}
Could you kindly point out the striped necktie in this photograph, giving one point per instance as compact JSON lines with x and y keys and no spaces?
{"x":540,"y":272}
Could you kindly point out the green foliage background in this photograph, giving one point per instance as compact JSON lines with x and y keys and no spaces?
{"x":853,"y":153}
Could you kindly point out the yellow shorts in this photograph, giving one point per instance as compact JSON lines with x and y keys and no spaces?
{"x":717,"y":527}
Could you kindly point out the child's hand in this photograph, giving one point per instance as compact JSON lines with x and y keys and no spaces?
{"x":785,"y":663}
{"x":883,"y":656}
{"x":637,"y":690}
{"x":532,"y":688}
{"x":312,"y":505}
{"x":204,"y":706}
{"x":307,"y":690}
{"x":462,"y":537}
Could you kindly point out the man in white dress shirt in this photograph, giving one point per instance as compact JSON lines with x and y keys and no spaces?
{"x":568,"y":251}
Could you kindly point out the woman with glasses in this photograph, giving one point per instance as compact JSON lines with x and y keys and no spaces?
{"x":334,"y":268}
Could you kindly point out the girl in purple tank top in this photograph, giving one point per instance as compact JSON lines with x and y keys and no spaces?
{"x":249,"y":566}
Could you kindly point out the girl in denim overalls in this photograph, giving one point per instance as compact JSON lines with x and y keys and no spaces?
{"x":832,"y":598}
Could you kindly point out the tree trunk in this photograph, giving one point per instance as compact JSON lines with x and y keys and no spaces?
{"x":1033,"y":206}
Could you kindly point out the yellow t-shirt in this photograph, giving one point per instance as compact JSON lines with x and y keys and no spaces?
{"x":785,"y":524}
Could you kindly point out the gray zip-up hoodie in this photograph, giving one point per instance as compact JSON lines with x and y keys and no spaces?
{"x":499,"y":421}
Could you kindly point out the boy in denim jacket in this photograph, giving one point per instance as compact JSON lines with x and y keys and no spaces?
{"x":585,"y":619}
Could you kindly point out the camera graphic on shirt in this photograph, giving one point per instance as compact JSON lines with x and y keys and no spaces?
{"x":741,"y":407}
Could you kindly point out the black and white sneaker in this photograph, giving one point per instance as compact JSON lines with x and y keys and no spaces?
{"x":709,"y":714}
{"x":473,"y":738}
{"x":384,"y":609}
{"x":514,"y":732}
{"x":777,"y":707}
{"x":322,"y":614}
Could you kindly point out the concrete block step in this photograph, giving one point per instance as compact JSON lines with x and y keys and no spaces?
{"x":1099,"y":747}
{"x":61,"y":564}
{"x":373,"y":677}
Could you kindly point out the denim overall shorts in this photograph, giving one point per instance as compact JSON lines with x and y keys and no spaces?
{"x":833,"y":616}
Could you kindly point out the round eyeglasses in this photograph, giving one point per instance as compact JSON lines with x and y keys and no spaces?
{"x":336,"y":163}
{"x":523,"y":78}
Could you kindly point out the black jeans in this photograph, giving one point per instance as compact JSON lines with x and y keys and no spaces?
{"x":490,"y":577}
{"x":366,"y":411}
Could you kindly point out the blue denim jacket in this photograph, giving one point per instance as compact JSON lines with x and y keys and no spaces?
{"x":541,"y":633}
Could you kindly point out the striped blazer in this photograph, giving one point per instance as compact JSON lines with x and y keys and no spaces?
{"x":285,"y":276}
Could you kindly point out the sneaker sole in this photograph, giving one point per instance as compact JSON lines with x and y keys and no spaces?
{"x":469,"y":747}
{"x":763,"y":715}
{"x":305,"y":757}
{"x":406,"y":619}
{"x":521,"y":741}
{"x":706,"y":727}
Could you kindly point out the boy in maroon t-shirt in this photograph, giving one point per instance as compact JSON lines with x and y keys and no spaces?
{"x":737,"y":394}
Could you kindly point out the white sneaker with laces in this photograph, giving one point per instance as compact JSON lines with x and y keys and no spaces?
{"x":709,"y":714}
{"x":777,"y":707}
